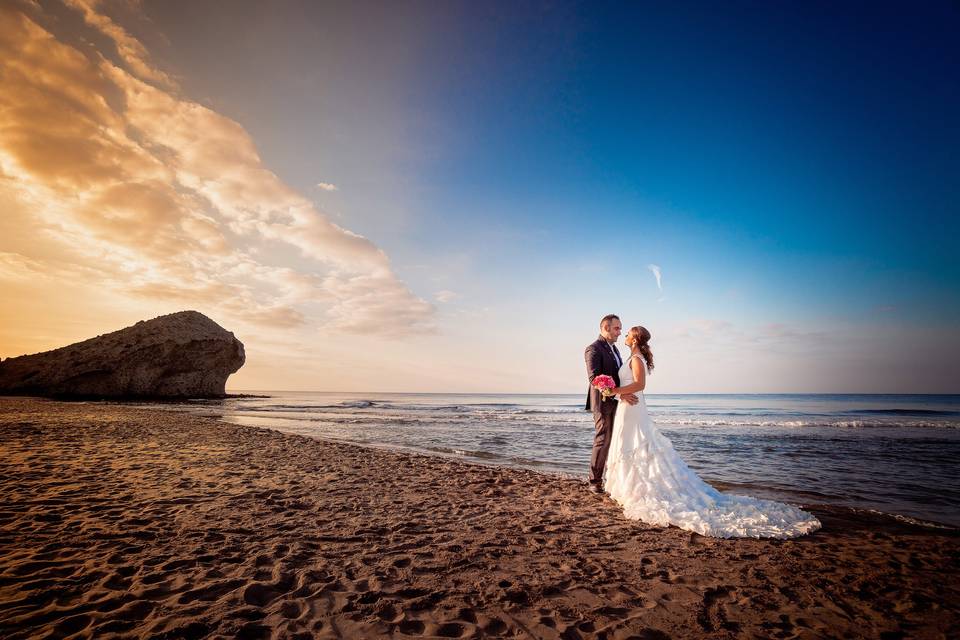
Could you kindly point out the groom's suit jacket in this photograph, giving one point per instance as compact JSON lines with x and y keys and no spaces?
{"x":599,"y":359}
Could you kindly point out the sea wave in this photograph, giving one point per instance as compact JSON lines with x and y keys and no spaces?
{"x":286,"y":408}
{"x":907,"y":519}
{"x":905,"y":412}
{"x":464,"y":453}
{"x":368,"y":411}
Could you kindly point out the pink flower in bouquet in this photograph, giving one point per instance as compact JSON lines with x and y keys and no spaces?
{"x":604,"y":384}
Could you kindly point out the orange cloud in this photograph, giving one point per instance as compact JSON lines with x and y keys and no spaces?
{"x":157,"y":196}
{"x":130,"y":50}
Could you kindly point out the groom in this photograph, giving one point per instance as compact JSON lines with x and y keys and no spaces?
{"x":602,"y":357}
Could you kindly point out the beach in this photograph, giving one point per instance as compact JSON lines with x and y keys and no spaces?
{"x":118,"y":521}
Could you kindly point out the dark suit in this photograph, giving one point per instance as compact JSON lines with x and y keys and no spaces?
{"x":600,"y":360}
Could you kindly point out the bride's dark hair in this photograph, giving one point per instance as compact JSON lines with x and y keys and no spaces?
{"x":641,"y":337}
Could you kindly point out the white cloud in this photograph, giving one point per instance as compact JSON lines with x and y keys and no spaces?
{"x":326,"y":186}
{"x":655,"y":270}
{"x":444,"y":296}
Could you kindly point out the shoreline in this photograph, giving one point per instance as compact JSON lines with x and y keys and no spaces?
{"x":118,"y":520}
{"x":793,"y":494}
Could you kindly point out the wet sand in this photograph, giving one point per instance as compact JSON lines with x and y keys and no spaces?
{"x":127,"y":522}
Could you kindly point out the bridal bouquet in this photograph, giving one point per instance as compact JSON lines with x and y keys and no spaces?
{"x":604,"y":384}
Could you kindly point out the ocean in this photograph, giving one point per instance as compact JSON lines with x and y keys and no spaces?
{"x":897,"y":454}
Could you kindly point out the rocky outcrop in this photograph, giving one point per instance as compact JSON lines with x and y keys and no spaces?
{"x":181,"y":355}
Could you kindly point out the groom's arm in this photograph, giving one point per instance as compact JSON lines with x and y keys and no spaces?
{"x":594,"y":361}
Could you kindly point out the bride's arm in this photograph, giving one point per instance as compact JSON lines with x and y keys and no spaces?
{"x":639,"y":374}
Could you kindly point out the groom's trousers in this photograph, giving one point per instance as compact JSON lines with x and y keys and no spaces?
{"x":603,"y":421}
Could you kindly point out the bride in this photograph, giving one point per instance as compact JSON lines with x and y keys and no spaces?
{"x":646,"y":476}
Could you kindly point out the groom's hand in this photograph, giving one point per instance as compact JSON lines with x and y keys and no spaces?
{"x":630,"y":398}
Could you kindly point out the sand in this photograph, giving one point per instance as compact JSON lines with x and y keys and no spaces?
{"x":129,"y":522}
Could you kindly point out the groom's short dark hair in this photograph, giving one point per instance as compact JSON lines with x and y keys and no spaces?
{"x":608,"y":318}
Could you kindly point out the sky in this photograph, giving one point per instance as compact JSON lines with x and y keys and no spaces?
{"x":446,"y":197}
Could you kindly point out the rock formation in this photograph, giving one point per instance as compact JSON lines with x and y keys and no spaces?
{"x":181,"y":355}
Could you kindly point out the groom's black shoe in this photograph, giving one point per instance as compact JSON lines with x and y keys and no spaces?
{"x":597,"y":488}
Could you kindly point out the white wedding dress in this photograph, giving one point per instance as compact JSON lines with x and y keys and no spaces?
{"x":647,"y":477}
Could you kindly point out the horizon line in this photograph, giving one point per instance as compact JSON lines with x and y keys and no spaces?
{"x":704,"y":393}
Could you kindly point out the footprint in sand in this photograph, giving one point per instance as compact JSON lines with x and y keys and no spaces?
{"x":291,"y":609}
{"x":249,"y":613}
{"x":72,"y":625}
{"x":495,"y":627}
{"x":454,"y":630}
{"x":389,"y":612}
{"x":411,"y":627}
{"x":136,"y":611}
{"x":259,"y":594}
{"x":651,"y":634}
{"x":548,"y":621}
{"x":467,"y":615}
{"x":253,"y":631}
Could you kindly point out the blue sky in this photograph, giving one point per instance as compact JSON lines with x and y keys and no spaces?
{"x":779,"y":137}
{"x":791,"y":167}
